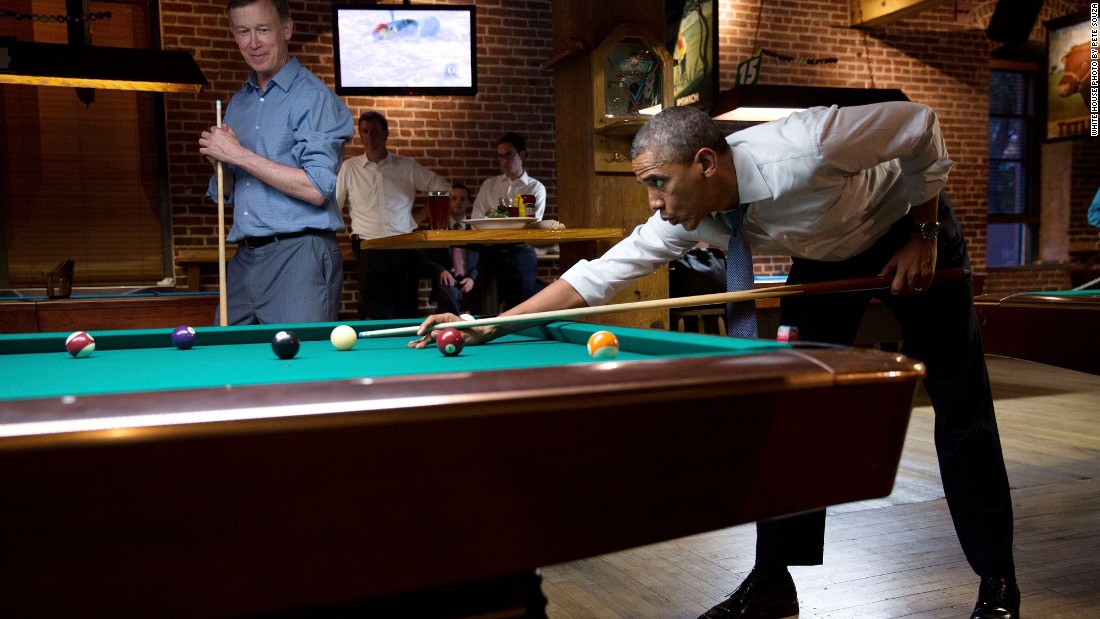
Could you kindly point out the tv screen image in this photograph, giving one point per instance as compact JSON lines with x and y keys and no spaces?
{"x":408,"y":50}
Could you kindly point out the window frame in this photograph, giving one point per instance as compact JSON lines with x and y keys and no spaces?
{"x":1029,"y":160}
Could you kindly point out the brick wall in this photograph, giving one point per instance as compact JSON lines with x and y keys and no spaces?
{"x":454,"y":136}
{"x":939,"y":57}
{"x":1031,"y":278}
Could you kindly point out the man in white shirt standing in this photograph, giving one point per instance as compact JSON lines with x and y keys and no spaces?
{"x":379,"y":189}
{"x":516,"y":268}
{"x":847,"y":193}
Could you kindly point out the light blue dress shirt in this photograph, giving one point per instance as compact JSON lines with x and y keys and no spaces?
{"x":298,"y":122}
{"x":822,"y":184}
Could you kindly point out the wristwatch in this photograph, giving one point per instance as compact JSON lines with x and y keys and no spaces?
{"x":928,"y":230}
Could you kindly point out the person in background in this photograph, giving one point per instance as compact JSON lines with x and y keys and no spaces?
{"x":1094,"y":210}
{"x":454,"y":269}
{"x":847,"y":193}
{"x":514,"y":268}
{"x":379,"y":189}
{"x":279,"y":177}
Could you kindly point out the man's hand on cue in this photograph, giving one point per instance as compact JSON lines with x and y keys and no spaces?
{"x":913,"y":267}
{"x":427,"y":335}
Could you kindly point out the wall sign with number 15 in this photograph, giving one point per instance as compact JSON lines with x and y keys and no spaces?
{"x":749,"y":71}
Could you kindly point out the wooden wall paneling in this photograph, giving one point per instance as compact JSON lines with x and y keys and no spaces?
{"x":609,"y":197}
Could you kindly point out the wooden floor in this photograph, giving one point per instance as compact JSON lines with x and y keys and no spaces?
{"x":898,"y":556}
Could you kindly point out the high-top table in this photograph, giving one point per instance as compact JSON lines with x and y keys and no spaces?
{"x":428,"y":239}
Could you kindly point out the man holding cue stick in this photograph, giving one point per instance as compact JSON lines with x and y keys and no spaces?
{"x":847,"y":193}
{"x":281,"y":147}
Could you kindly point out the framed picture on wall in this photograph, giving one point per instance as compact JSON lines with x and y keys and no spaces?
{"x":691,"y":38}
{"x":1069,"y":83}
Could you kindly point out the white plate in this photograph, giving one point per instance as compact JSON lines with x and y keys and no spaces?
{"x":500,"y":223}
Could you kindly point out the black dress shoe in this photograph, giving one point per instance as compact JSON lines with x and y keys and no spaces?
{"x":762,"y":595}
{"x":998,"y":598}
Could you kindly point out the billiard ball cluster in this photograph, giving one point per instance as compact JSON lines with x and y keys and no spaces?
{"x":602,"y":345}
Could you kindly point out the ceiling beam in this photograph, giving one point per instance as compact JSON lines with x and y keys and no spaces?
{"x":880,"y":13}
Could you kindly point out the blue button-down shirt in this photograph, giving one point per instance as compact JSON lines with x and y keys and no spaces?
{"x":298,"y":122}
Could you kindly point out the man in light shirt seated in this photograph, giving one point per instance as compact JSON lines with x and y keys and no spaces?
{"x":454,"y":270}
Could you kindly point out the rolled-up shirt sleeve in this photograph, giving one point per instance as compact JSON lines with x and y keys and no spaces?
{"x":650,"y":245}
{"x":321,"y":128}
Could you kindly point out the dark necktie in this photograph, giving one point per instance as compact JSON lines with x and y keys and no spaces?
{"x":458,"y":257}
{"x":740,"y":317}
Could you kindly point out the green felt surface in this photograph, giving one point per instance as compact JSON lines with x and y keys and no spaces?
{"x":1068,"y":293}
{"x":37,"y":365}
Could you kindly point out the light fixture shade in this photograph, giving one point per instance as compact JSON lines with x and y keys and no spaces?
{"x":91,"y":66}
{"x":762,"y":102}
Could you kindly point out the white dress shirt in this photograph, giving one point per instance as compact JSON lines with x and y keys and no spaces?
{"x":497,"y":187}
{"x":822,"y":184}
{"x":380,"y":196}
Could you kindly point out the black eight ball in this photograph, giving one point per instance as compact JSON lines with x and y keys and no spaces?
{"x":285,"y":344}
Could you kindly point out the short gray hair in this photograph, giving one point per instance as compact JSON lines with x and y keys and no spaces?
{"x":676,"y":134}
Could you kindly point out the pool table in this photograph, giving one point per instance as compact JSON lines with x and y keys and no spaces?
{"x":1060,"y":328}
{"x":224,"y":481}
{"x":33,"y":314}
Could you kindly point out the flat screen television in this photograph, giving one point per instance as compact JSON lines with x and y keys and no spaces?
{"x":405,"y":49}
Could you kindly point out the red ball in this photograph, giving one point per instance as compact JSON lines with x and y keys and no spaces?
{"x":450,"y":342}
{"x":80,"y":344}
{"x":786,"y":334}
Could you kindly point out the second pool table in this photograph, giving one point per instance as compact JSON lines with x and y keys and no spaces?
{"x":223,"y":481}
{"x":1060,"y":328}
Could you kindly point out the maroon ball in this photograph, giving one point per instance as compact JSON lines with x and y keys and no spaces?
{"x":79,"y":344}
{"x":450,"y":342}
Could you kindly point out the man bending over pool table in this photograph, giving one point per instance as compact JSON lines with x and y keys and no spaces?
{"x":847,"y":193}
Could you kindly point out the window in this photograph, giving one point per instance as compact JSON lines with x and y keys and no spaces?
{"x":1011,"y":188}
{"x":81,"y":181}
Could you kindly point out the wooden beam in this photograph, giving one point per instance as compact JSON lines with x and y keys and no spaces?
{"x":880,"y":13}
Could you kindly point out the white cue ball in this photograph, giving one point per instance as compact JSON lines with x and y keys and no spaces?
{"x":343,"y":337}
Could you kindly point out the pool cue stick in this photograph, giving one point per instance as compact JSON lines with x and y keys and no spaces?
{"x":223,"y":304}
{"x":842,"y":285}
{"x":1088,"y":285}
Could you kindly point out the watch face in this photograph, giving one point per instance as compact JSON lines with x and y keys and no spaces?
{"x":929,"y":229}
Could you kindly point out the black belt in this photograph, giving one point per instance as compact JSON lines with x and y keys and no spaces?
{"x":252,"y":242}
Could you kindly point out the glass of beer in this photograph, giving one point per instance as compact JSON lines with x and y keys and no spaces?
{"x":439,"y":203}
